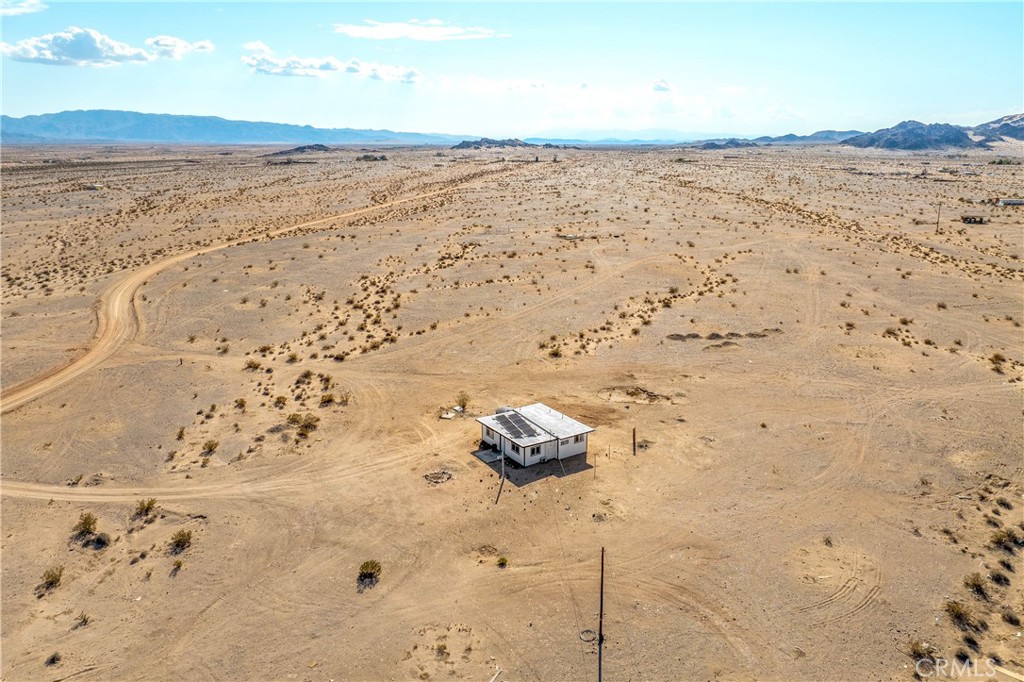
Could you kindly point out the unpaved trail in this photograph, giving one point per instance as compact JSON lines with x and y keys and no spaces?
{"x":118,"y":318}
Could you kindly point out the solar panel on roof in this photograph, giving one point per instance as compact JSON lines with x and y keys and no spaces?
{"x":515,"y":424}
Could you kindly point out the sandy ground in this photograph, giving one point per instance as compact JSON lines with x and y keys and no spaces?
{"x":825,"y":387}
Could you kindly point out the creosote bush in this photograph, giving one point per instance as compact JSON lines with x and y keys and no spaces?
{"x":180,"y":541}
{"x":86,"y":524}
{"x":52,"y":577}
{"x":369,"y":574}
{"x":144,"y":508}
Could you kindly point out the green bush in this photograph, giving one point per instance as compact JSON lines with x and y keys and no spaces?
{"x":369,"y":574}
{"x":51,"y":577}
{"x":180,"y":541}
{"x":144,"y":508}
{"x":86,"y":524}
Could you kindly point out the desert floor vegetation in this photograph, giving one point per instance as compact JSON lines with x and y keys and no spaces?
{"x":825,"y":391}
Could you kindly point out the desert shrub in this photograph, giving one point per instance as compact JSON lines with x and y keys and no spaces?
{"x":502,"y":562}
{"x":180,"y":541}
{"x":307,"y":424}
{"x":145,"y":507}
{"x":326,"y":399}
{"x":181,"y":433}
{"x":253,"y":364}
{"x":86,"y":524}
{"x":462,"y":400}
{"x":369,"y":573}
{"x":211,"y":446}
{"x":53,"y":659}
{"x":1010,"y":617}
{"x":82,"y":620}
{"x":922,"y":653}
{"x":1006,"y":539}
{"x":52,"y":577}
{"x":959,"y":614}
{"x":976,"y":584}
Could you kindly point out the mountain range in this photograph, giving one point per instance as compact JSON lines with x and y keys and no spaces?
{"x":103,"y":125}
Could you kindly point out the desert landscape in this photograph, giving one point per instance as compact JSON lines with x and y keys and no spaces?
{"x":223,"y":372}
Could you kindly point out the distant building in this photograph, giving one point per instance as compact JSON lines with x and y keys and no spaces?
{"x":534,"y":433}
{"x":1011,"y":202}
{"x":973,"y":219}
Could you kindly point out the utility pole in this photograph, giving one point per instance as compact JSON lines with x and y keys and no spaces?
{"x":938,"y":214}
{"x":634,"y":441}
{"x":600,"y":621}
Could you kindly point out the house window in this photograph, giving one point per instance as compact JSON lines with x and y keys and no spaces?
{"x":515,"y":448}
{"x":490,"y":434}
{"x":535,"y":450}
{"x":565,"y":442}
{"x":578,"y":439}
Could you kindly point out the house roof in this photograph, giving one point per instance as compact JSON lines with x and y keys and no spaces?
{"x":533,"y":424}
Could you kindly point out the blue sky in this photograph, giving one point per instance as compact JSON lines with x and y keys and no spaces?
{"x":522,"y":69}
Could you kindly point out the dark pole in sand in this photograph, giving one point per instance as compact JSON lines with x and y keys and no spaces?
{"x":600,"y":621}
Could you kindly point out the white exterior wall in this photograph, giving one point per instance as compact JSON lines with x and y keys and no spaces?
{"x":490,"y":440}
{"x":545,"y":452}
{"x":571,"y":447}
{"x":518,"y":457}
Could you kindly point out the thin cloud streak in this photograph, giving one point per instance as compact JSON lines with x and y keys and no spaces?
{"x":429,"y":30}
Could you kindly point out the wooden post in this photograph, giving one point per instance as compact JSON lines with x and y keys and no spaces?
{"x":634,"y":441}
{"x":938,"y":214}
{"x":600,"y":622}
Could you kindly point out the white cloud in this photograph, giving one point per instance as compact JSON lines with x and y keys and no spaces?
{"x":662,"y":85}
{"x":429,"y":30}
{"x":87,"y":47}
{"x":733,"y":90}
{"x":12,"y":8}
{"x":263,"y":60}
{"x":176,"y":48}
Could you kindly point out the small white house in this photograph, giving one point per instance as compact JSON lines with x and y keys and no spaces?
{"x":534,"y":434}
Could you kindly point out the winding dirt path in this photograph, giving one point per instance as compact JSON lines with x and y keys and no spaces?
{"x":118,"y":318}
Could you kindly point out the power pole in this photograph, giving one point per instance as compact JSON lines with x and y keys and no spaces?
{"x":634,"y":441}
{"x":600,"y":622}
{"x":938,"y":214}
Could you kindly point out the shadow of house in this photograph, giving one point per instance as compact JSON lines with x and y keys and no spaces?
{"x":521,"y":476}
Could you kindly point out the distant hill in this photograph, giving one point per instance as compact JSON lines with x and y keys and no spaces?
{"x":728,"y":144}
{"x":129,"y":126}
{"x":304,"y":149}
{"x":913,"y":135}
{"x":488,"y":143}
{"x":820,"y":137}
{"x":1011,"y":126}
